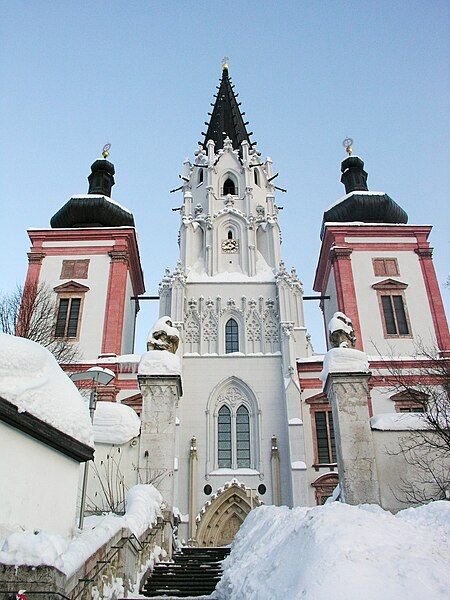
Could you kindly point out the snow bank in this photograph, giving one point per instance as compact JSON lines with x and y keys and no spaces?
{"x":399,"y":422}
{"x":159,"y":362}
{"x":340,"y":551}
{"x":344,"y":360}
{"x":31,"y":379}
{"x":143,"y":506}
{"x":115,"y":423}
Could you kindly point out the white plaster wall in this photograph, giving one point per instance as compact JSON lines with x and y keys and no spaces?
{"x":331,"y":305}
{"x":394,"y":470}
{"x":39,"y":485}
{"x":129,"y":320}
{"x":200,"y":376}
{"x":92,"y":319}
{"x":369,"y":312}
{"x":112,"y":462}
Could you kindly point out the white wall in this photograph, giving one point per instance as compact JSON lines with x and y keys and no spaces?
{"x":39,"y":485}
{"x":113,"y":462}
{"x":129,"y":320}
{"x":369,"y":312}
{"x":92,"y":319}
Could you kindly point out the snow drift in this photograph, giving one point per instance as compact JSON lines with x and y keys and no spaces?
{"x":31,"y":379}
{"x":143,"y":506}
{"x":342,"y":552}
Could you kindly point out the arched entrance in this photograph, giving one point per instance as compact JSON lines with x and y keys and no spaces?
{"x":221,"y":517}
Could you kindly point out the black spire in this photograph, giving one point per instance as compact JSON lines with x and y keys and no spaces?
{"x":101,"y":178}
{"x":226,"y":118}
{"x":360,"y":205}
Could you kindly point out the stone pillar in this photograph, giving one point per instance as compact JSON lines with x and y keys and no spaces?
{"x":276,"y":475}
{"x":193,"y":464}
{"x":348,"y":393}
{"x":160,"y":396}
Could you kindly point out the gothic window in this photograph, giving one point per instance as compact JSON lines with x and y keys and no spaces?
{"x":394,"y":315}
{"x":231,"y":336}
{"x":256,"y":176}
{"x":324,"y":487}
{"x":326,"y":448}
{"x":229,"y":187}
{"x":200,"y":176}
{"x":230,"y":235}
{"x":68,"y":316}
{"x":323,"y":431}
{"x":69,"y":308}
{"x":243,"y":437}
{"x":224,"y":437}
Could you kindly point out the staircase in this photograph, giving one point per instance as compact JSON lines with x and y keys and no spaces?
{"x":193,"y":572}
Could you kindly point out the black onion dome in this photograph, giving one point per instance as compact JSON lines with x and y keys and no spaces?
{"x":91,"y":211}
{"x":360,"y":205}
{"x":95,"y":209}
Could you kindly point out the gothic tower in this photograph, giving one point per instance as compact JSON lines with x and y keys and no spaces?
{"x":240,"y":315}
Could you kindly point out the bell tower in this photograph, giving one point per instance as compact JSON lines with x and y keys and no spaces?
{"x":89,"y":258}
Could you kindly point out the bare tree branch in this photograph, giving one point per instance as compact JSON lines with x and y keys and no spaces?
{"x":31,"y":313}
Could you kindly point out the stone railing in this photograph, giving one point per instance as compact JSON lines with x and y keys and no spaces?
{"x":124,"y":560}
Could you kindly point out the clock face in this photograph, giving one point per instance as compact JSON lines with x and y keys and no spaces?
{"x":230,"y":246}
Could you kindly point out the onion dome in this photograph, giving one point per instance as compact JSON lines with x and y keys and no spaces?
{"x":360,"y":204}
{"x":96,"y":208}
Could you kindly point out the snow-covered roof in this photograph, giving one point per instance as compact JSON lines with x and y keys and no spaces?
{"x":31,"y":379}
{"x":399,"y":422}
{"x":107,"y":198}
{"x":115,"y":423}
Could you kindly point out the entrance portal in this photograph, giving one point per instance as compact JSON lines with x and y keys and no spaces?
{"x":221,"y":518}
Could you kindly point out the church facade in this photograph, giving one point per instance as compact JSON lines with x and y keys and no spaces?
{"x":253,"y":425}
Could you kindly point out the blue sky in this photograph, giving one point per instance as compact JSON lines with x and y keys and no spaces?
{"x":141,"y":75}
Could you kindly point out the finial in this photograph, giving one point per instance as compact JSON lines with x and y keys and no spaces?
{"x":225,"y":60}
{"x":105,"y":151}
{"x":348,"y":143}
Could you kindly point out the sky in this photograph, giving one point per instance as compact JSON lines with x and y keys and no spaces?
{"x":141,"y":76}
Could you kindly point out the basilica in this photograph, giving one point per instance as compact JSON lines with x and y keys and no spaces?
{"x":253,"y":425}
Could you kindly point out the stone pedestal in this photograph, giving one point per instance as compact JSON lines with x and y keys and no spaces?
{"x":160,"y":396}
{"x":348,"y":394}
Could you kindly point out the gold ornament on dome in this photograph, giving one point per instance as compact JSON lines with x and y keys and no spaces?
{"x":348,"y":143}
{"x":105,"y":151}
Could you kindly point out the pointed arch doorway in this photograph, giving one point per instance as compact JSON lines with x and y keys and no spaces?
{"x":222,"y":516}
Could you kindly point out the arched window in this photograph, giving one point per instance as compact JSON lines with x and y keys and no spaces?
{"x":200,"y":176}
{"x":256,"y":176}
{"x":231,"y":336}
{"x":243,"y":438}
{"x":230,"y":235}
{"x":229,"y":187}
{"x":224,"y":438}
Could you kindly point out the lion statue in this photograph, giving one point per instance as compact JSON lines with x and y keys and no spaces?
{"x":163,"y":336}
{"x":341,"y":332}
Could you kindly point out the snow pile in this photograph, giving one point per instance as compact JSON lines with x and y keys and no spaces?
{"x":399,"y":422}
{"x":115,"y":423}
{"x":143,"y":506}
{"x":344,"y":360}
{"x":340,"y":551}
{"x":31,"y":379}
{"x":159,"y":362}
